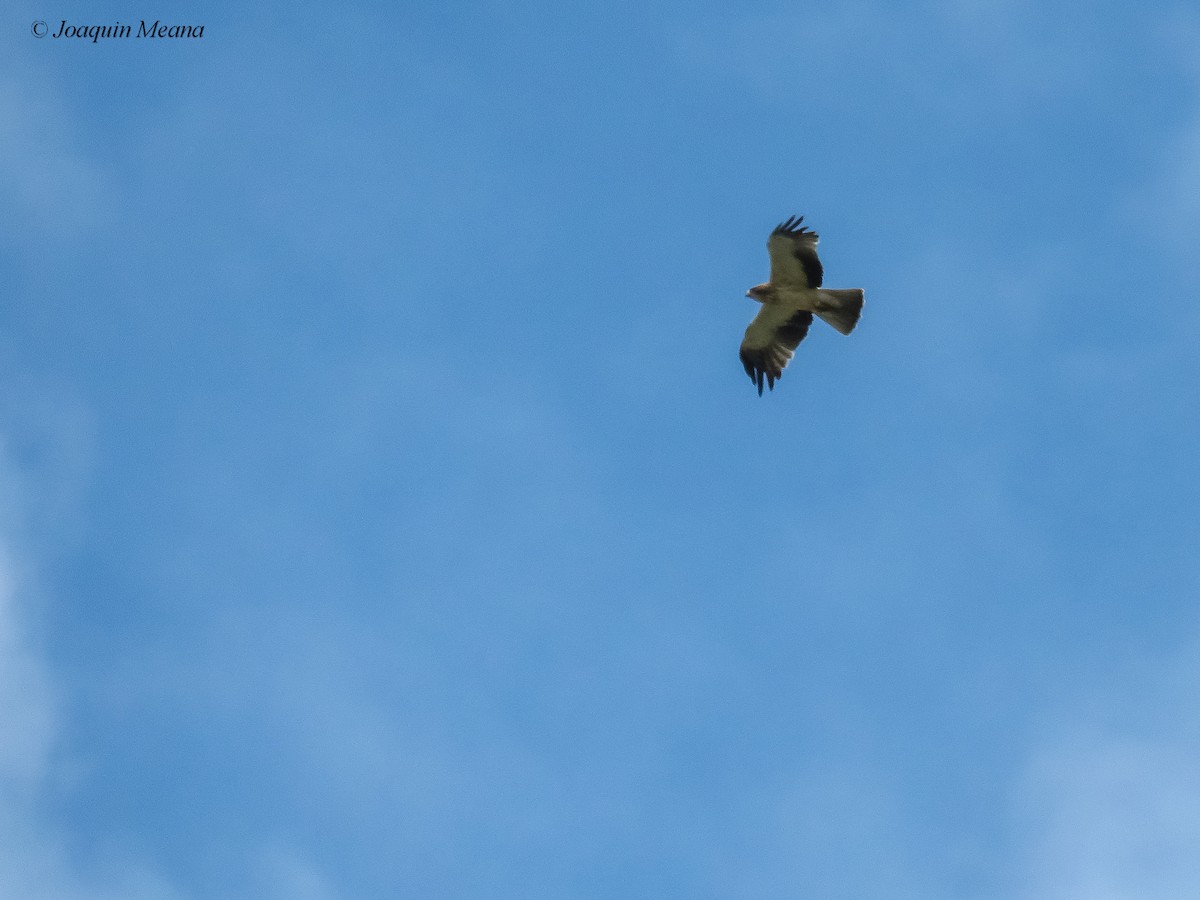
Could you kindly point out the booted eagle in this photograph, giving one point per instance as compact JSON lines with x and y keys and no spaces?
{"x":789,"y":300}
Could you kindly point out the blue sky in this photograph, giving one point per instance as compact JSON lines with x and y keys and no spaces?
{"x":384,"y":511}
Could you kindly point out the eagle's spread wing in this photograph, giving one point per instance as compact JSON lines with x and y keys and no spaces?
{"x":793,"y":250}
{"x":767,"y":347}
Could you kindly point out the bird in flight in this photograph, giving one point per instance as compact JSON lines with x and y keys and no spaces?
{"x":789,"y":300}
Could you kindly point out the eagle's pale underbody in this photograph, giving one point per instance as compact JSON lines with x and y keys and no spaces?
{"x":789,"y":300}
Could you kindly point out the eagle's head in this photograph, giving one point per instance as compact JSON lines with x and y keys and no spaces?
{"x":759,"y":292}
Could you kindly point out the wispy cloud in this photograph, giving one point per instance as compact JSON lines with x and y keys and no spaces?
{"x":1165,"y":203}
{"x":284,"y":874}
{"x":46,"y":183}
{"x":26,"y":699}
{"x":1109,"y":805}
{"x":931,"y":59}
{"x":38,"y":859}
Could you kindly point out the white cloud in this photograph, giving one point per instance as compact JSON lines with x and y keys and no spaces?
{"x":1109,"y":804}
{"x":35,"y":862}
{"x":288,"y":875}
{"x":52,"y":189}
{"x":1164,"y":203}
{"x":819,"y":828}
{"x":26,"y":701}
{"x":1169,"y":204}
{"x":949,"y":59}
{"x":46,"y":184}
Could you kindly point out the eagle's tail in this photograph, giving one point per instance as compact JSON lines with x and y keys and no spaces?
{"x":840,"y":309}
